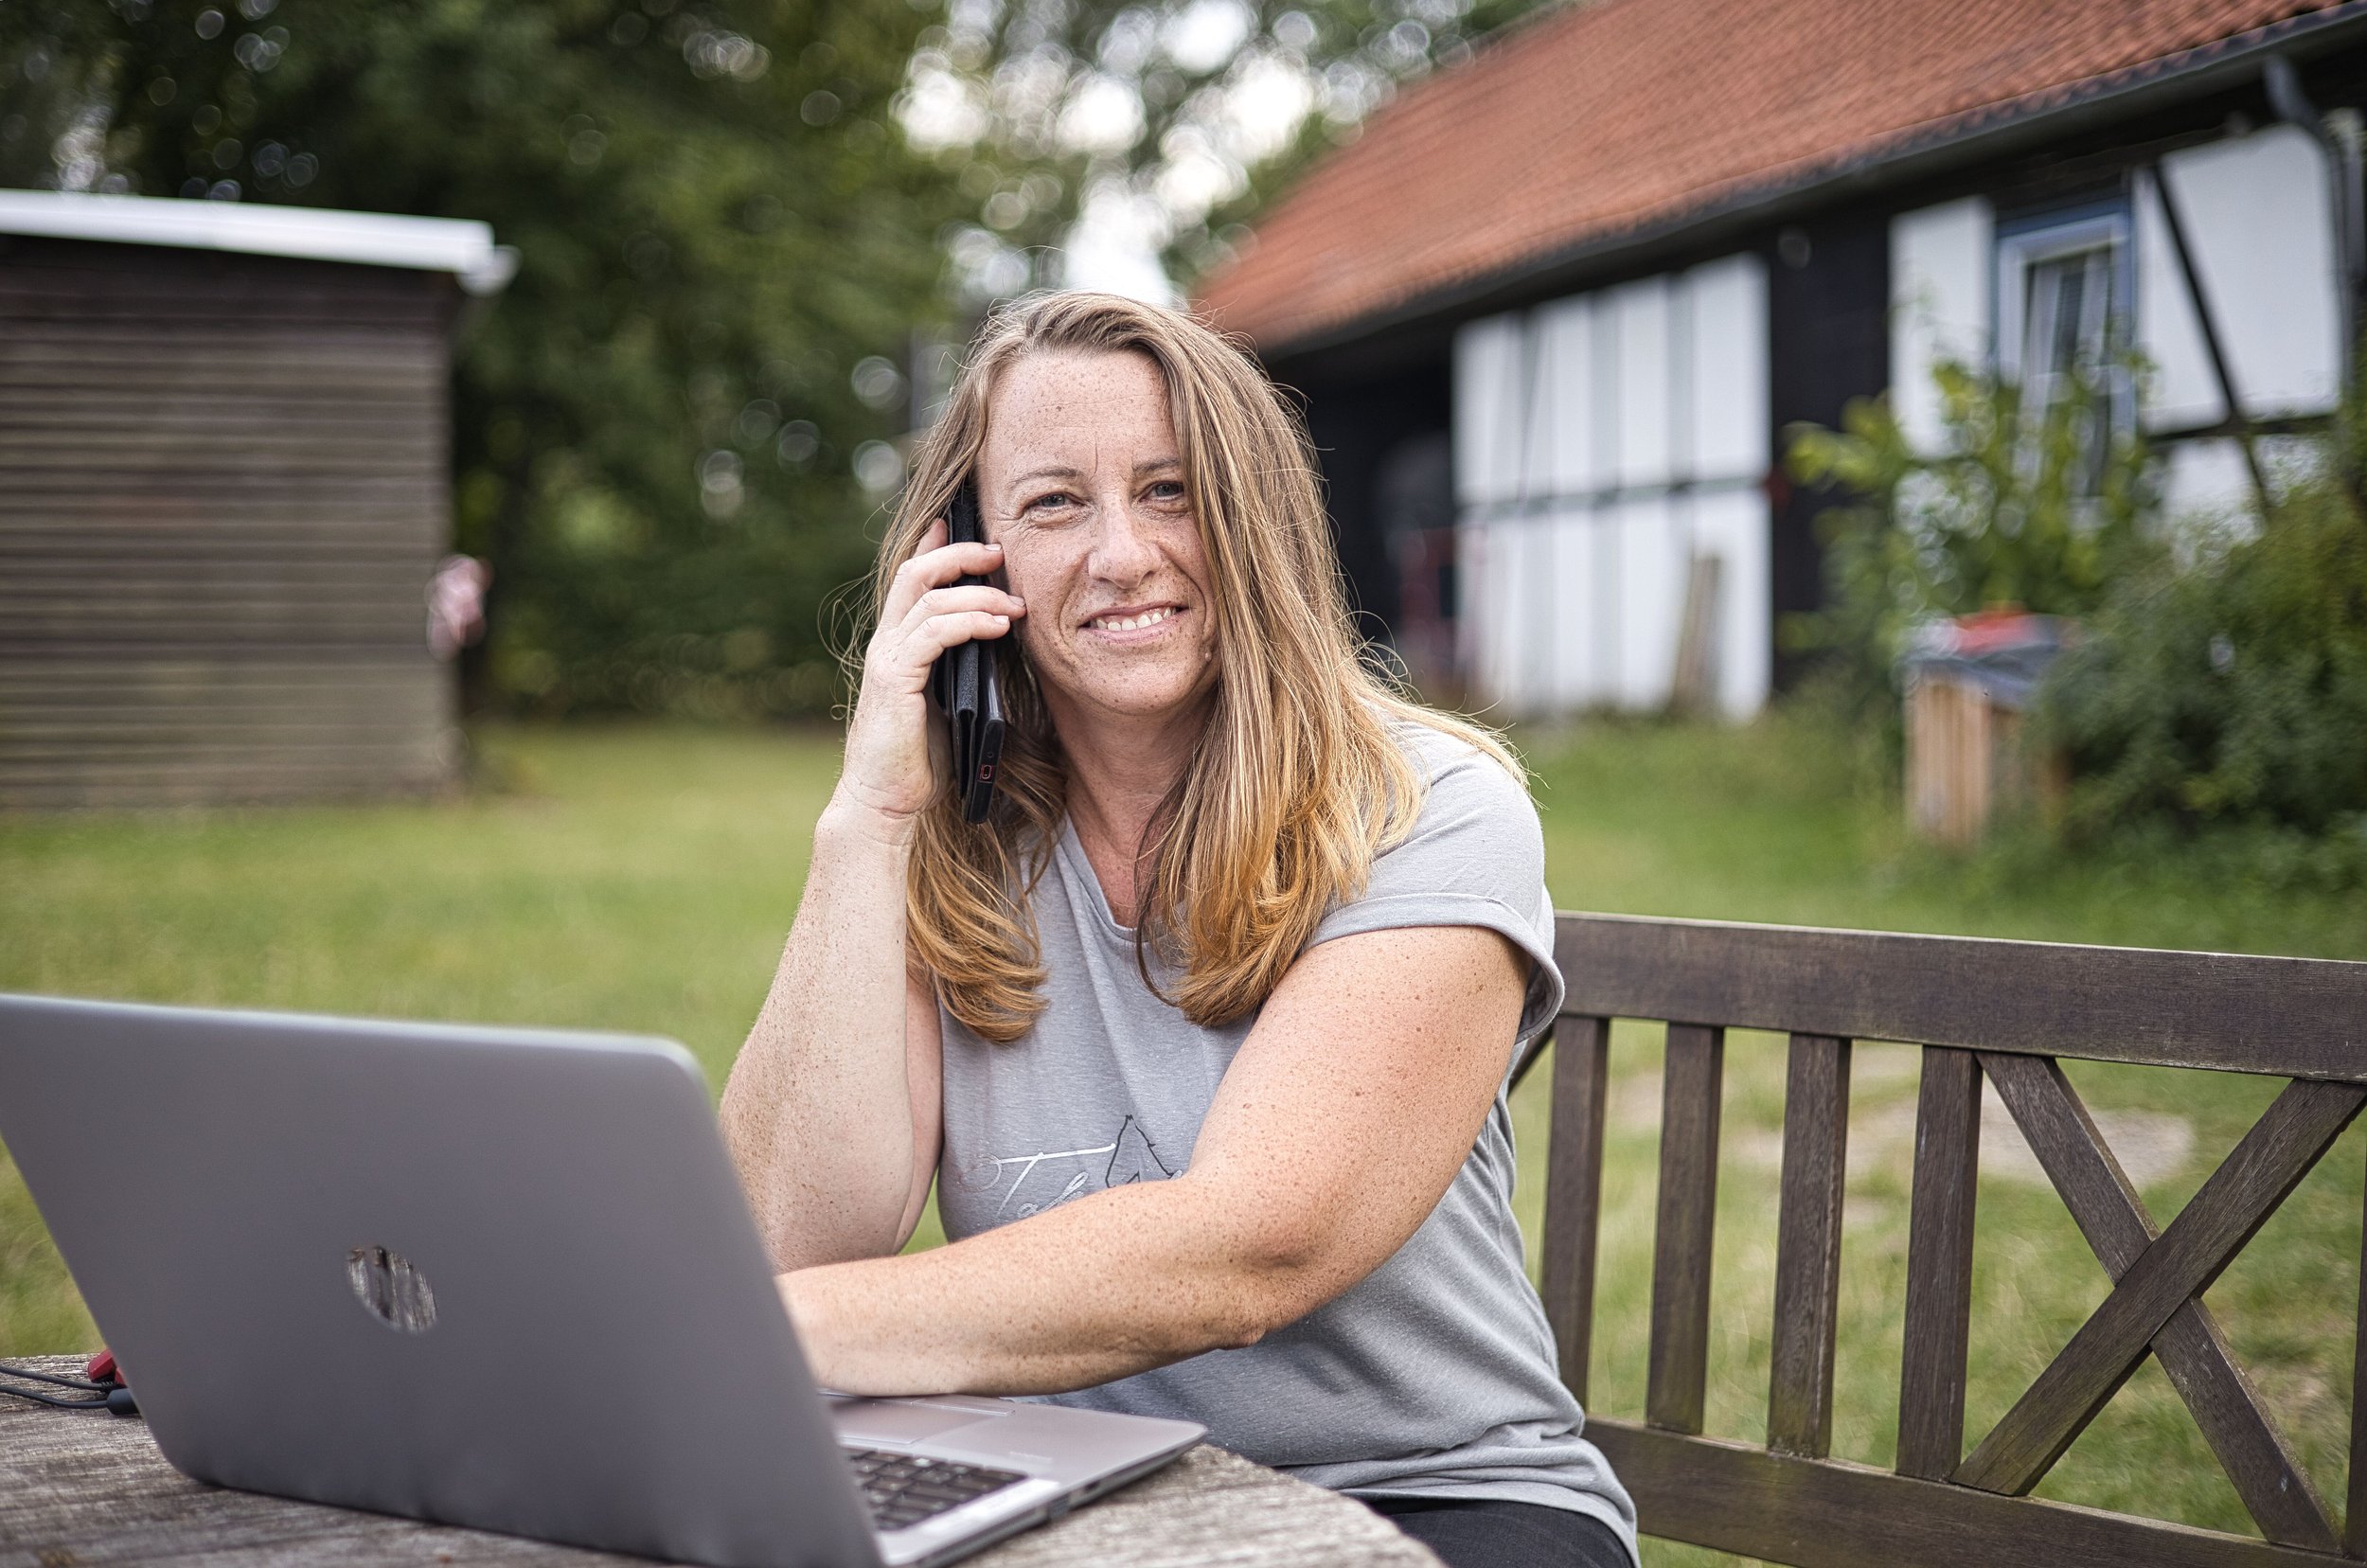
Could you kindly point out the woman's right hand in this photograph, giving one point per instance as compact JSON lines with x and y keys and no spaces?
{"x":889,"y":776}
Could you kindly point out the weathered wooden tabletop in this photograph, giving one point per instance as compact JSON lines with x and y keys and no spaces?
{"x":79,"y":1490}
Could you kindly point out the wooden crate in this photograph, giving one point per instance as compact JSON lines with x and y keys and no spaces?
{"x":1966,"y":760}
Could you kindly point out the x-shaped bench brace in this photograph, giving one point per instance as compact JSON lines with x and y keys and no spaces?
{"x":2158,"y":1277}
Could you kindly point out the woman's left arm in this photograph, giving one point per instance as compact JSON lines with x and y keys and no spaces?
{"x":1341,"y":1122}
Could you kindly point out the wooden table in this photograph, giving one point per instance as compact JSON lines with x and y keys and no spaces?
{"x":79,"y":1490}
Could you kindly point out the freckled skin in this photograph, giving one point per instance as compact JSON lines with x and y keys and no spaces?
{"x":1081,"y":483}
{"x":1342,"y":1118}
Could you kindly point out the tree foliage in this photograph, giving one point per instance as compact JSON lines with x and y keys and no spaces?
{"x":2232,"y":690}
{"x":1193,"y":114}
{"x":2219,"y":677}
{"x":2039,"y":509}
{"x":725,"y":245}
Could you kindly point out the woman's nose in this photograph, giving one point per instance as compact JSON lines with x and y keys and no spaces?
{"x":1122,"y":549}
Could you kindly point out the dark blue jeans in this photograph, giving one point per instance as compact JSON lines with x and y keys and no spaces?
{"x":1488,"y":1533}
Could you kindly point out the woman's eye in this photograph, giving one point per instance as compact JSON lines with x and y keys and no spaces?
{"x":1167,"y":490}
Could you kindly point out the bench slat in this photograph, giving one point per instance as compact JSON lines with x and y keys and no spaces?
{"x":1733,"y":1498}
{"x":1690,"y":1089}
{"x":1574,"y":1189}
{"x":1808,"y":1247}
{"x":2289,"y":1017}
{"x":1939,"y":1265}
{"x":2006,"y":1010}
{"x":2233,"y":1205}
{"x":2109,"y":1213}
{"x":2355,"y":1503}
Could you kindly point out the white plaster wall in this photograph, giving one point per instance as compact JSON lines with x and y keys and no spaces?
{"x":1941,"y":259}
{"x":1651,"y":578}
{"x":1684,"y":439}
{"x":1580,"y":623}
{"x":1538,"y":441}
{"x":1519,"y":640}
{"x":1734,"y":527}
{"x":1611,"y":414}
{"x":1641,"y":312}
{"x":2204,"y":482}
{"x":1730,"y":370}
{"x":1575,"y":600}
{"x":2207,"y":482}
{"x":1484,"y":627}
{"x":2257,"y":212}
{"x":1537,"y":548}
{"x":1565,"y":334}
{"x":1487,"y":421}
{"x":1606,"y":552}
{"x":2184,"y":393}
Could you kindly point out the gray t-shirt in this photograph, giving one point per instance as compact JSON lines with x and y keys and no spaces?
{"x":1432,"y":1377}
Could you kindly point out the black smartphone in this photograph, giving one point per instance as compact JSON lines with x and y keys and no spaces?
{"x":965,"y":684}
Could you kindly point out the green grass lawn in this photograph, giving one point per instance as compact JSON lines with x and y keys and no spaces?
{"x":642,"y":879}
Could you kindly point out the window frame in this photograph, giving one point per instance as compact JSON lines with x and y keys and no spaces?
{"x":2027,"y":240}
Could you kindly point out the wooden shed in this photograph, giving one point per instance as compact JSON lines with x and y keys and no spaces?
{"x":224,"y":490}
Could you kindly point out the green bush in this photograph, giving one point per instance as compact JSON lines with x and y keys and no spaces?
{"x":2225,"y":691}
{"x":2016,"y":508}
{"x":2230,"y":690}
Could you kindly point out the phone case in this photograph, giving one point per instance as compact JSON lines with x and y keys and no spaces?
{"x":965,"y":684}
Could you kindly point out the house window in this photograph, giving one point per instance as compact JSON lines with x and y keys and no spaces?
{"x":2066,"y":316}
{"x":2064,"y":308}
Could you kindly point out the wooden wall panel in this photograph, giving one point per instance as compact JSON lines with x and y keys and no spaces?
{"x":224,"y":483}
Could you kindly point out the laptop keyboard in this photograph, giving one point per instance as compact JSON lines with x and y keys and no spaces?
{"x":905,"y":1488}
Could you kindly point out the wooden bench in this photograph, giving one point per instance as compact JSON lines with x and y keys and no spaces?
{"x":2006,"y":1011}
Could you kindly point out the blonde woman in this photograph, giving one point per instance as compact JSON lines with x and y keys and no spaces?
{"x":1203,"y":1035}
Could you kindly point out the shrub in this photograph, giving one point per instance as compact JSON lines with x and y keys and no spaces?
{"x":2231,"y":691}
{"x":2016,"y":508}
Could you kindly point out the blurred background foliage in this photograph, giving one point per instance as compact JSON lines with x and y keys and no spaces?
{"x":1170,"y":125}
{"x":2231,"y":689}
{"x":653,"y":425}
{"x":2216,"y":683}
{"x":746,"y":228}
{"x":2038,"y":507}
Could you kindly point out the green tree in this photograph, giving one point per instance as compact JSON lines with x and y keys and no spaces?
{"x":1194,"y":113}
{"x":725,"y":244}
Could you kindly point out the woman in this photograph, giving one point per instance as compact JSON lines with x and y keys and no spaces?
{"x":1203,"y":1036}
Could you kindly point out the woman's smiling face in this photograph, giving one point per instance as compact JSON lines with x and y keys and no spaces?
{"x":1081,"y":482}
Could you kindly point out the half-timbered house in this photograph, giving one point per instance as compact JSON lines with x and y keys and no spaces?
{"x":1554,"y":311}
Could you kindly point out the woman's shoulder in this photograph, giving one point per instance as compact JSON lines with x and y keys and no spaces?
{"x":1475,"y":801}
{"x":1473,"y":856}
{"x":1462,"y":767}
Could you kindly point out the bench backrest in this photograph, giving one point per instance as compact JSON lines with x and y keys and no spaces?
{"x":2003,"y":1011}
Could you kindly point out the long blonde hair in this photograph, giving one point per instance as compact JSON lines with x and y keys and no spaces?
{"x":1296,"y":782}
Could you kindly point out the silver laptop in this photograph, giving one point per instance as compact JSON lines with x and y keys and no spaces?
{"x":489,"y":1277}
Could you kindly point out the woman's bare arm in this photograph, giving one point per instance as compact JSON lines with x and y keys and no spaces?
{"x":833,"y":1109}
{"x":1337,"y":1127}
{"x":832,"y":1112}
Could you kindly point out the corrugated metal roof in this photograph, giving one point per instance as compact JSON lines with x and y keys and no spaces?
{"x":463,"y":247}
{"x":1627,"y":116}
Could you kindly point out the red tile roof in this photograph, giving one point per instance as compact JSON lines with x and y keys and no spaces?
{"x":1595,"y":120}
